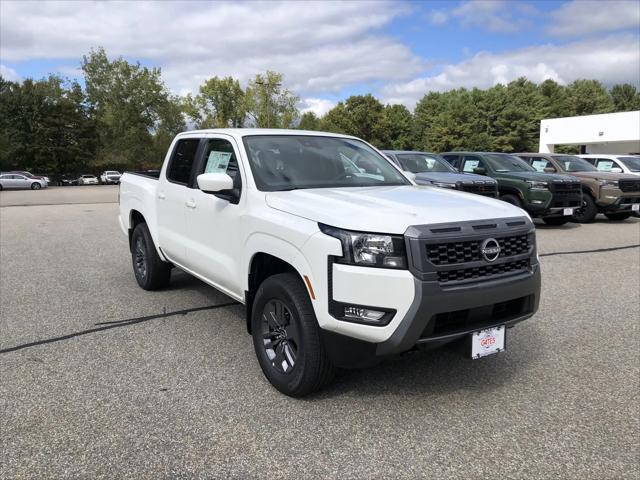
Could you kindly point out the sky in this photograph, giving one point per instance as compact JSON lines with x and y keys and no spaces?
{"x":327,"y":51}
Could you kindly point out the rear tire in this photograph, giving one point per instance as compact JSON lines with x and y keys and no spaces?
{"x":556,"y":220}
{"x":36,"y":186}
{"x":150,"y":271}
{"x":512,"y":199}
{"x":589,"y":210}
{"x":286,"y":337}
{"x":618,"y":217}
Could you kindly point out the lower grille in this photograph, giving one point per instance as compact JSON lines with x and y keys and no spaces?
{"x":629,"y":185}
{"x":476,"y":318}
{"x":475,"y":273}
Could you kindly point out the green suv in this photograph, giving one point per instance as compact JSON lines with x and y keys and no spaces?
{"x":550,"y":196}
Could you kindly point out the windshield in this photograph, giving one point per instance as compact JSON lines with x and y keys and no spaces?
{"x":422,"y":162}
{"x":632,"y":163}
{"x":87,"y":176}
{"x":113,"y":173}
{"x":569,"y":163}
{"x":289,"y":162}
{"x":507,"y":163}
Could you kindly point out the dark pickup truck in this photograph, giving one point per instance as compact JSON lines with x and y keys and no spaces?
{"x":552,"y":197}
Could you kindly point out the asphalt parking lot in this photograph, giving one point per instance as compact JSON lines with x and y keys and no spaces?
{"x":96,"y":382}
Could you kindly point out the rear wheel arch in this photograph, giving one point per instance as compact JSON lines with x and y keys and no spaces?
{"x":135,"y":219}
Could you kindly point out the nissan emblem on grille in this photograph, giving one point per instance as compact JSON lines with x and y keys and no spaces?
{"x":490,"y":249}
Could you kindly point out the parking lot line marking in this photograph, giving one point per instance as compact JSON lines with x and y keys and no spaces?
{"x":116,"y":324}
{"x":611,"y":249}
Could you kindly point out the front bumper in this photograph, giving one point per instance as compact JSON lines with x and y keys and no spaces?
{"x":615,"y":200}
{"x":432,"y":306}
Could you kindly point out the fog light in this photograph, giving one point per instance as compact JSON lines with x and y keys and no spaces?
{"x":362,"y":314}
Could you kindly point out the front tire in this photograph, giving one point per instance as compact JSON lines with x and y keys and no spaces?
{"x":512,"y":199}
{"x":150,"y":271}
{"x":36,"y":186}
{"x":618,"y":217}
{"x":589,"y":210}
{"x":286,"y":337}
{"x":557,"y":221}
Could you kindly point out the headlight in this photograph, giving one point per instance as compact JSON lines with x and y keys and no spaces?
{"x":444,"y":185}
{"x":608,"y":183}
{"x":533,"y":185}
{"x":369,"y":249}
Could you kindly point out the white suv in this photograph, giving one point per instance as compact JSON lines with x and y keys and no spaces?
{"x":614,"y":163}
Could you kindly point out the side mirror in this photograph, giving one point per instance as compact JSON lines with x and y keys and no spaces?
{"x":480,"y":171}
{"x":549,"y":170}
{"x":214,"y":182}
{"x":616,"y":170}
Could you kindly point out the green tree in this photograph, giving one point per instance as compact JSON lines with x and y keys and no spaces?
{"x":309,"y":121}
{"x":586,"y":97}
{"x":359,"y":115}
{"x":219,"y":104}
{"x":268,"y":104}
{"x":625,"y":98}
{"x":131,"y":104}
{"x":45,"y":126}
{"x":397,"y":128}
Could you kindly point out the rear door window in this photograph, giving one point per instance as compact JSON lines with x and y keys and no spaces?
{"x":184,"y":154}
{"x":471,"y":162}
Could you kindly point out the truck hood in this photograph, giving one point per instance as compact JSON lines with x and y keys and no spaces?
{"x":537,"y":176}
{"x":388,"y":209}
{"x":451,"y":177}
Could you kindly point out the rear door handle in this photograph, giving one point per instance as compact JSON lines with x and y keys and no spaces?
{"x":190,"y":204}
{"x":161,"y":196}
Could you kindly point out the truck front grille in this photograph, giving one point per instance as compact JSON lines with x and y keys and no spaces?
{"x":451,"y":253}
{"x":488,"y":190}
{"x":475,"y":273}
{"x":629,"y":185}
{"x":462,"y":252}
{"x":566,"y":194}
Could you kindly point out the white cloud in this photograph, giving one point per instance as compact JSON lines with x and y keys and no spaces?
{"x":319,"y":106}
{"x":581,"y":17}
{"x":438,"y":17}
{"x":9,"y":74}
{"x":494,"y":15}
{"x":615,"y":59}
{"x":318,"y":46}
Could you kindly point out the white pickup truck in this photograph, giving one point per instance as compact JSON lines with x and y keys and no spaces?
{"x":338,"y":266}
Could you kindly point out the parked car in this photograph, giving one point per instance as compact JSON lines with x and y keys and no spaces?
{"x":66,"y":180}
{"x":614,"y":194}
{"x":18,"y":180}
{"x":31,"y":175}
{"x":552,"y":197}
{"x":431,"y":169}
{"x":87,"y":180}
{"x":277,"y":220}
{"x":629,"y":164}
{"x":110,"y":177}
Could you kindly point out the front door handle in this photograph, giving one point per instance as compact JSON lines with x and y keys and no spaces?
{"x":161,"y":196}
{"x":190,"y":204}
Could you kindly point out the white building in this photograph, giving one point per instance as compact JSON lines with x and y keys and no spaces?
{"x":616,"y":133}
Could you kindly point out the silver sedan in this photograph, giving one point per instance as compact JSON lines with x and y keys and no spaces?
{"x":16,"y":180}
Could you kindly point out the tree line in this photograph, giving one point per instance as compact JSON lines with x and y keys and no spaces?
{"x":124,"y":116}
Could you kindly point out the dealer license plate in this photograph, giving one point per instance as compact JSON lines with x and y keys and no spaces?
{"x":635,"y":207}
{"x":487,"y":342}
{"x":568,"y":211}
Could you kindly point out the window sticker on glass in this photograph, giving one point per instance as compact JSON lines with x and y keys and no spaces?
{"x":539,"y":165}
{"x":217,"y":162}
{"x":605,"y":165}
{"x":469,"y":165}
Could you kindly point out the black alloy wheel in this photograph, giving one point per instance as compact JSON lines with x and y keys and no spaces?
{"x":281,"y":337}
{"x":140,"y":259}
